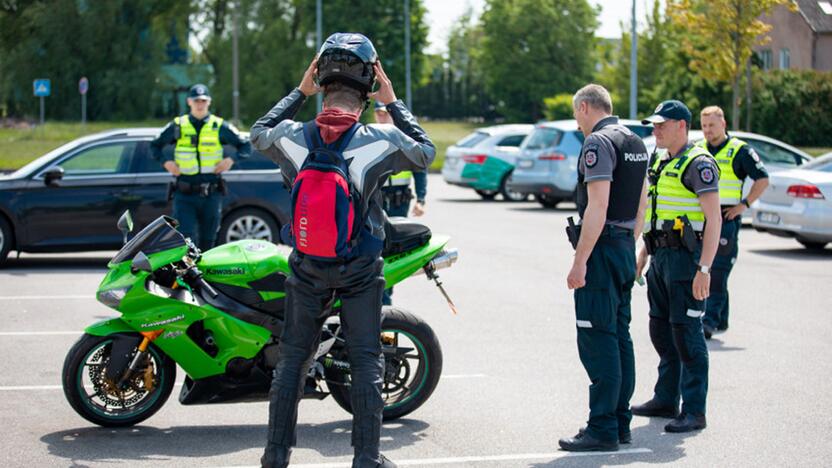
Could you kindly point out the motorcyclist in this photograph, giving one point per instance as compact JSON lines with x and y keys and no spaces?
{"x":346,"y":69}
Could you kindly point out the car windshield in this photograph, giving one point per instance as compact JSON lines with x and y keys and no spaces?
{"x":641,"y":130}
{"x":543,"y":138}
{"x":471,"y":140}
{"x":158,"y":236}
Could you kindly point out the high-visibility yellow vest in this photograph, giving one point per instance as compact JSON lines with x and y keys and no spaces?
{"x":208,"y":147}
{"x":730,"y":186}
{"x":400,"y":179}
{"x":669,"y":198}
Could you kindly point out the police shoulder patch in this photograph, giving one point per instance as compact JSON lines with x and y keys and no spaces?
{"x":591,"y":155}
{"x":706,"y":173}
{"x":754,"y":155}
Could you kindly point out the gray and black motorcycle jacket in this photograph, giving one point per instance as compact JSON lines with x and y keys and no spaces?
{"x":375,"y":152}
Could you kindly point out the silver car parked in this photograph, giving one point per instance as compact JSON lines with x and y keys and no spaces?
{"x":798,"y":204}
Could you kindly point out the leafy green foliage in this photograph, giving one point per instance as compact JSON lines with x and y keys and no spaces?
{"x":794,"y":106}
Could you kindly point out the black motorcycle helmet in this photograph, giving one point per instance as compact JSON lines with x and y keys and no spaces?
{"x":348,"y":58}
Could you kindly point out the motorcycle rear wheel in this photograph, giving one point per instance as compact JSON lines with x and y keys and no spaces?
{"x":95,"y":401}
{"x":408,"y":382}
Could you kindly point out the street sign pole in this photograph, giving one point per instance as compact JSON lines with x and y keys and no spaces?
{"x":83,"y":87}
{"x":42,"y":87}
{"x":41,"y":110}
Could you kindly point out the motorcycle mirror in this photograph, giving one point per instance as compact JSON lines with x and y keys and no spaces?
{"x":140,"y":263}
{"x":125,"y":224}
{"x":53,"y":175}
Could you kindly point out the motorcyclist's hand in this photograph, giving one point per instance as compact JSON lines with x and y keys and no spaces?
{"x":307,"y":85}
{"x":418,"y":209}
{"x":577,"y":276}
{"x":223,"y":165}
{"x":733,"y":212}
{"x":701,"y":286}
{"x":172,"y":167}
{"x":385,"y":91}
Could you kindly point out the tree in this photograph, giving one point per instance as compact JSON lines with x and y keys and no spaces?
{"x":533,"y":49}
{"x":719,"y":36}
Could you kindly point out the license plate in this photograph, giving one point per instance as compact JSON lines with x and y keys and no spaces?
{"x":771,"y":218}
{"x":525,"y":163}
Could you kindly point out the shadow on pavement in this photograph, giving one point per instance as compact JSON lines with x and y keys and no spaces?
{"x":666,"y":448}
{"x":540,"y":209}
{"x":797,"y":253}
{"x":150,"y":443}
{"x":715,"y":344}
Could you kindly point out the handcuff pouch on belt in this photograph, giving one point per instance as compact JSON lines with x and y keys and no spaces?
{"x":673,"y":234}
{"x":204,"y":189}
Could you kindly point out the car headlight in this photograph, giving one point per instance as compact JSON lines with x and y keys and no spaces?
{"x":112,"y":297}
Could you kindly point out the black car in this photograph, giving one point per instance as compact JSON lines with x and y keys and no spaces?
{"x":70,"y":199}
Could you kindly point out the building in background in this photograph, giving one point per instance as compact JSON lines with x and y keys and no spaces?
{"x":800,"y":39}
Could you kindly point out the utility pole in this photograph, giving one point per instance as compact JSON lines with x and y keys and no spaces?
{"x":408,"y":95}
{"x":235,"y":64}
{"x":633,"y":67}
{"x":319,"y":40}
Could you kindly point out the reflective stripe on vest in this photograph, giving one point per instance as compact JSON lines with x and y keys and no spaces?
{"x":208,"y":148}
{"x":730,"y":186}
{"x":400,"y":179}
{"x":672,"y":198}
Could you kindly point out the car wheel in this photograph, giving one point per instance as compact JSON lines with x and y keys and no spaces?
{"x":509,"y":195}
{"x":813,"y":245}
{"x":249,"y":223}
{"x":487,"y":194}
{"x":546,"y":201}
{"x":6,"y":240}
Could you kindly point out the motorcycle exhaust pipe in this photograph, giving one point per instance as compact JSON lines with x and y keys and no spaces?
{"x":444,"y":259}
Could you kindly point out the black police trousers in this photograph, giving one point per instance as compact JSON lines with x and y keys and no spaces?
{"x":313,"y":286}
{"x":602,"y":312}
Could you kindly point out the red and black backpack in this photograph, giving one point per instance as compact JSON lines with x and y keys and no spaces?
{"x":325,"y":204}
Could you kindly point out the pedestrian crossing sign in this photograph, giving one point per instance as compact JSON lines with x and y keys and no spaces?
{"x":42,"y":87}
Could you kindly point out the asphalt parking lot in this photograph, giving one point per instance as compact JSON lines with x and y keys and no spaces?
{"x":512,"y":382}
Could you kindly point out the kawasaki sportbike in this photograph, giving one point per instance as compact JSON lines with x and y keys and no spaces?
{"x":218,"y":315}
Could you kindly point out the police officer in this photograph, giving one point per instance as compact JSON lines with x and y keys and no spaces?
{"x":736,"y":161}
{"x":197,"y":163}
{"x":610,"y":198}
{"x":681,"y":235}
{"x":396,"y":192}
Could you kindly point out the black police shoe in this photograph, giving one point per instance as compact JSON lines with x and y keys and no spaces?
{"x":386,"y":463}
{"x":708,"y":330}
{"x":623,"y":438}
{"x":584,"y":442}
{"x":722,"y":327}
{"x":654,"y":409}
{"x":686,"y":423}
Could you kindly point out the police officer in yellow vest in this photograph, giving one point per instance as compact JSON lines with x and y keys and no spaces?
{"x":682,"y":227}
{"x":197,"y":163}
{"x":396,"y":192}
{"x":736,"y":161}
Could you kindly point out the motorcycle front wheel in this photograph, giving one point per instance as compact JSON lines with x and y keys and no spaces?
{"x":103,"y":402}
{"x":412,"y":367}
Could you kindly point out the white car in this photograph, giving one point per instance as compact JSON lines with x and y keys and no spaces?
{"x":798,"y":204}
{"x":485,"y":159}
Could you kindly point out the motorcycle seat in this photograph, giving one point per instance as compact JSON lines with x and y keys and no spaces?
{"x":402,"y":235}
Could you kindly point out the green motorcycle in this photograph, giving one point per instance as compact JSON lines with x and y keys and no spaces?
{"x":219,"y":314}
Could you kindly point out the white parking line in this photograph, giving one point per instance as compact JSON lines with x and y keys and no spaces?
{"x":24,"y":388}
{"x":41,"y":333}
{"x":474,"y":459}
{"x":39,"y":298}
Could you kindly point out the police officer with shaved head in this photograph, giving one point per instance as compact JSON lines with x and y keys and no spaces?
{"x":611,"y":202}
{"x":682,"y":229}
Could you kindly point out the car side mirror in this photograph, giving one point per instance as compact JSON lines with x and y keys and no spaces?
{"x":53,"y":175}
{"x":140,"y":263}
{"x":125,"y":224}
